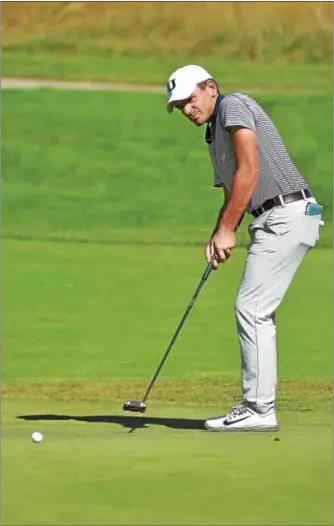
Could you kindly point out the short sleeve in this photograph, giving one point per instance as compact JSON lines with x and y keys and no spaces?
{"x":235,"y":112}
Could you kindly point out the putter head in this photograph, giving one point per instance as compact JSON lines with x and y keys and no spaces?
{"x":135,"y":406}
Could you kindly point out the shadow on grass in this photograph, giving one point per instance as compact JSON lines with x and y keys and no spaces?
{"x":130,"y":422}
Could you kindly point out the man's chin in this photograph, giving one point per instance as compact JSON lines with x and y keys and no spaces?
{"x":198,"y":122}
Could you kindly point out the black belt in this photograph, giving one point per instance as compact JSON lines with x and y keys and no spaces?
{"x":286,"y":199}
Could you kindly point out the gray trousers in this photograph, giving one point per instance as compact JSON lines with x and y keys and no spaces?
{"x":280,"y":238}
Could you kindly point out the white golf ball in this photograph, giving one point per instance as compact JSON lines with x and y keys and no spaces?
{"x":37,"y":437}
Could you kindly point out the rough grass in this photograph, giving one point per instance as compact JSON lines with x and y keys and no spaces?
{"x":293,"y":395}
{"x":288,"y":31}
{"x":245,"y":45}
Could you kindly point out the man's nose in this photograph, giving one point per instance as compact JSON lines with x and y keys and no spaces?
{"x":187,"y":109}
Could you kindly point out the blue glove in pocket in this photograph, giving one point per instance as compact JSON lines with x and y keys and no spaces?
{"x":313,"y":221}
{"x":313,"y":209}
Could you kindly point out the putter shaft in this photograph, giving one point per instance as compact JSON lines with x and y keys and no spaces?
{"x":140,"y":406}
{"x":204,"y":278}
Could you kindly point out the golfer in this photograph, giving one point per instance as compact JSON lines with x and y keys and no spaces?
{"x":253,"y":167}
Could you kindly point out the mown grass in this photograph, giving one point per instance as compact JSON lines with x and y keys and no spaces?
{"x":232,"y":75}
{"x":76,"y":313}
{"x":110,"y":167}
{"x":83,"y":329}
{"x":107,"y":468}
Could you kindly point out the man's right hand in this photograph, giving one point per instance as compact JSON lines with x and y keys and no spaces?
{"x":209,"y":254}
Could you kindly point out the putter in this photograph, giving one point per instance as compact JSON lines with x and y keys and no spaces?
{"x":137,"y":406}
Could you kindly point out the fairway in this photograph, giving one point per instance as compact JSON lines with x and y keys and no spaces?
{"x":97,"y":166}
{"x":84,"y":327}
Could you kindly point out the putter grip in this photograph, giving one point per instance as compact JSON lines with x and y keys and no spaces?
{"x":207,"y":271}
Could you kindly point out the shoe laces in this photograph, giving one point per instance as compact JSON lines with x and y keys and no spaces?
{"x":239,"y":410}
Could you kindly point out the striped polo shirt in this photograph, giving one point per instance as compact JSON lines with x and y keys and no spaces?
{"x":277,"y":173}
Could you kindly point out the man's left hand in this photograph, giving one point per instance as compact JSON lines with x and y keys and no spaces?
{"x":223,"y":241}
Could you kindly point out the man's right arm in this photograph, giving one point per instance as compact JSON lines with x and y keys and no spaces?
{"x":221,"y":212}
{"x":209,"y":247}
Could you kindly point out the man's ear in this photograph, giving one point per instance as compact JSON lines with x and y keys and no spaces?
{"x":212,"y":87}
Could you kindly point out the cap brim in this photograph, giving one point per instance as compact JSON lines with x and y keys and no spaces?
{"x":179,"y":95}
{"x":170,"y":107}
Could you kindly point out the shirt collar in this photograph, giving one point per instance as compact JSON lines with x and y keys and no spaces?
{"x":210,"y":122}
{"x":215,"y":111}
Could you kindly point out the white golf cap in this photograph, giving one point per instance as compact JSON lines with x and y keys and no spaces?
{"x":183,"y":82}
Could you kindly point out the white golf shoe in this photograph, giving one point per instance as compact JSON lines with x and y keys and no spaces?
{"x":243,"y":418}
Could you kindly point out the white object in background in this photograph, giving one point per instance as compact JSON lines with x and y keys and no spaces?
{"x":37,"y":437}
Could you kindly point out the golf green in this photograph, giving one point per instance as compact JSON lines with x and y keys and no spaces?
{"x":84,"y":327}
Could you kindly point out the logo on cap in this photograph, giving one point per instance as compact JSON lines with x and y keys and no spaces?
{"x":171,"y":85}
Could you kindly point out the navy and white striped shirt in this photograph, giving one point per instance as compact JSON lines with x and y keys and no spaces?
{"x":277,"y":173}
